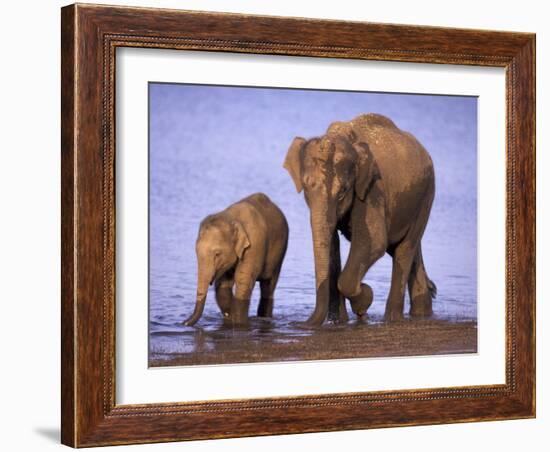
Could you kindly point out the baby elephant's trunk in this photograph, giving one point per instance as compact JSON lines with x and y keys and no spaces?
{"x":199,"y":307}
{"x":202,"y":290}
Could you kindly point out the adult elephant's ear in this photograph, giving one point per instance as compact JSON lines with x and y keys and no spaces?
{"x":293,"y":162}
{"x":367,"y":171}
{"x":241,"y":239}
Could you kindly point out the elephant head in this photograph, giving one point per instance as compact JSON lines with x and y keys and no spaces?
{"x":334,"y":171}
{"x":220,"y":244}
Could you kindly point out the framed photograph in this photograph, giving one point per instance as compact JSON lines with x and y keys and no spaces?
{"x":280,"y":225}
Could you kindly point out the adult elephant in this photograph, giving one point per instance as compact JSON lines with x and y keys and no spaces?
{"x":374,"y":183}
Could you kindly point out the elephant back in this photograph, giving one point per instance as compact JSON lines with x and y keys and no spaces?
{"x":342,"y":128}
{"x":385,"y":138}
{"x":361,"y":128}
{"x":372,"y":120}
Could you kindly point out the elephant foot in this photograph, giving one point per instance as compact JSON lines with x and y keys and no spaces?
{"x":337,"y":311}
{"x":333,"y":317}
{"x":393,"y":315}
{"x":265,"y":308}
{"x":421,"y":306}
{"x":239,"y":313}
{"x":361,"y":302}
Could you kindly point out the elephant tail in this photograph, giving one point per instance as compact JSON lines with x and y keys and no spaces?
{"x":432,"y":287}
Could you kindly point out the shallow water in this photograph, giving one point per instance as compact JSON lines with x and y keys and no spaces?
{"x":211,"y":146}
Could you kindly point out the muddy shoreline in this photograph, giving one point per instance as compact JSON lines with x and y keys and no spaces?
{"x":353,"y":340}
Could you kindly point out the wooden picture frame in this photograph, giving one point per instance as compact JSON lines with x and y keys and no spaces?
{"x":90,"y":35}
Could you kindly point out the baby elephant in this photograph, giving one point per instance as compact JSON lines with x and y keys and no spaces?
{"x":242,"y":244}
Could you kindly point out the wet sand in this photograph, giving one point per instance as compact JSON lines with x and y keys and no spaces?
{"x":356,"y":339}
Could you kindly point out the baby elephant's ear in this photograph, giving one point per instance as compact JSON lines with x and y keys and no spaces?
{"x":293,"y":162}
{"x":367,"y":170}
{"x":241,"y":239}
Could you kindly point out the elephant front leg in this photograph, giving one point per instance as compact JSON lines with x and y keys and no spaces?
{"x":224,"y":294}
{"x":358,"y":293}
{"x":241,"y":301}
{"x":350,"y":282}
{"x":368,"y":244}
{"x":337,"y":303}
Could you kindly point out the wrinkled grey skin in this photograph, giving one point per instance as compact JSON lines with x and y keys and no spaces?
{"x":235,"y":248}
{"x":375,"y":184}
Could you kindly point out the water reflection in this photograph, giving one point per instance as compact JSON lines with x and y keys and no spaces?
{"x":285,"y":339}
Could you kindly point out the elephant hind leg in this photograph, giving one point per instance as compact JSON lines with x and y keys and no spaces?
{"x":422,"y":290}
{"x":404,"y":257}
{"x":267,"y":291}
{"x":265,"y":308}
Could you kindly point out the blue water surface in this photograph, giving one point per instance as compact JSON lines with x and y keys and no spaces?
{"x":211,"y":146}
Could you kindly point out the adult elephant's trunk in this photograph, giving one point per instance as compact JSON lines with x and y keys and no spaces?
{"x":204,"y":279}
{"x":322,"y":227}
